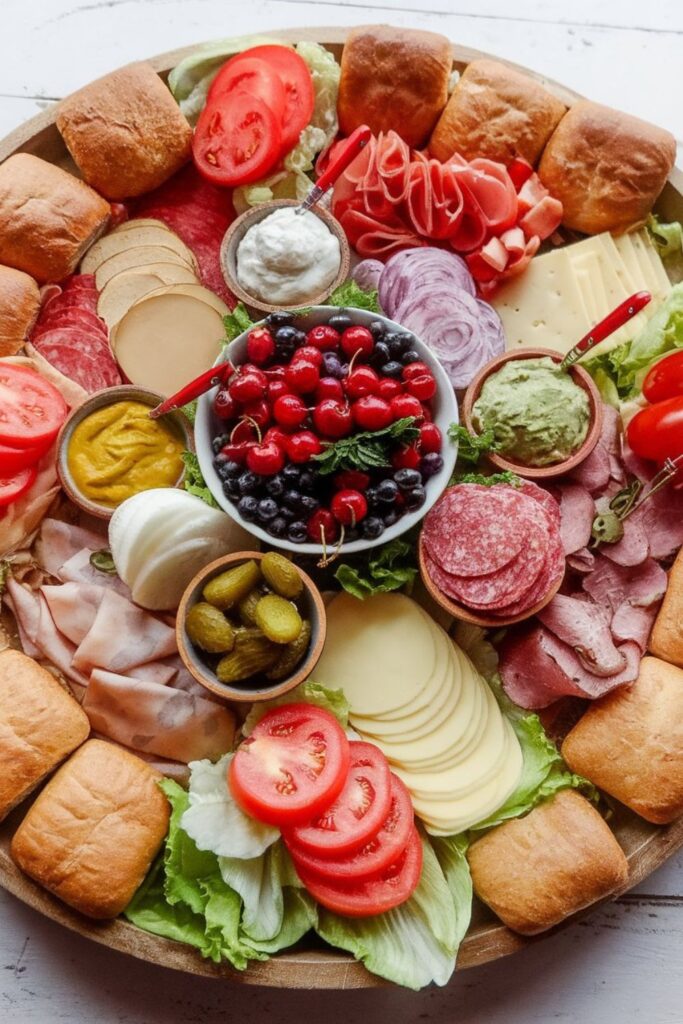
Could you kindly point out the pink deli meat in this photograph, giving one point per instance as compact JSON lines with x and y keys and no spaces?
{"x":585,"y":628}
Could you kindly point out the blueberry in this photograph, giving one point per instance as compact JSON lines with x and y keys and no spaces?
{"x":351,"y":533}
{"x":300,"y":338}
{"x":231,"y":490}
{"x":248,"y":482}
{"x":387,"y":491}
{"x":411,"y":356}
{"x":308,"y":481}
{"x":248,"y":508}
{"x":332,"y":364}
{"x":292,"y":498}
{"x":219,"y":442}
{"x":398,"y":344}
{"x":372,"y":527}
{"x":308,"y":503}
{"x":291,"y":473}
{"x":233,"y":469}
{"x":277,"y":527}
{"x":372,"y":498}
{"x":289,"y":514}
{"x":267,"y":509}
{"x":377,"y":329}
{"x":392,"y":369}
{"x":407,"y":479}
{"x":275,"y":486}
{"x":380,"y":354}
{"x":280,"y":319}
{"x":296,"y":532}
{"x":415,"y":498}
{"x":284,"y":351}
{"x":431,"y":464}
{"x":391,"y":517}
{"x":340,"y":321}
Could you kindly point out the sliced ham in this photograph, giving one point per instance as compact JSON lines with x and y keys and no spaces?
{"x":34,"y":621}
{"x":58,"y":542}
{"x":123,"y":636}
{"x":156,"y":719}
{"x":632,"y":623}
{"x":577,"y":511}
{"x":580,"y":681}
{"x":73,"y":607}
{"x":594,"y":472}
{"x":79,"y":569}
{"x":582,"y":560}
{"x":633,"y":548}
{"x":610,"y":584}
{"x":585,"y":628}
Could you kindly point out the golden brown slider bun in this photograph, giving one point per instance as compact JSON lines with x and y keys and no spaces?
{"x":19,"y":305}
{"x":40,"y":725}
{"x":48,"y":218}
{"x":630,"y":743}
{"x":607,"y":168}
{"x":125,"y":132}
{"x":496,"y":112}
{"x":666,"y":640}
{"x":394,"y":78}
{"x":535,"y":871}
{"x":94,"y":830}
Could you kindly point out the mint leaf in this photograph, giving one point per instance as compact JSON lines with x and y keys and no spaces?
{"x":351,"y":294}
{"x":237,"y":322}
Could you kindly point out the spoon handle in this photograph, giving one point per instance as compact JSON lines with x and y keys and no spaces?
{"x":612,"y":322}
{"x":345,"y":152}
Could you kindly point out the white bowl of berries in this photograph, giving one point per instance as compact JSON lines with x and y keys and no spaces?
{"x":332,"y":431}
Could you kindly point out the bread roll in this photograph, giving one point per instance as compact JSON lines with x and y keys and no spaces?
{"x":40,"y":725}
{"x":535,"y":871}
{"x":496,"y":112}
{"x":48,"y":218}
{"x":666,"y":640}
{"x":606,"y":168}
{"x":630,"y":743}
{"x":19,"y":305}
{"x":392,"y":78}
{"x":94,"y":830}
{"x":125,"y":132}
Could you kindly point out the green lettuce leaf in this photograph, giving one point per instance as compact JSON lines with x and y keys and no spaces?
{"x":194,"y":482}
{"x":417,"y":943}
{"x":391,"y":567}
{"x":667,"y":238}
{"x":237,"y":322}
{"x":351,"y":294}
{"x":308,"y":692}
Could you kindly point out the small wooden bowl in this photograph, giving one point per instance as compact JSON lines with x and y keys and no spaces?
{"x":459,"y":611}
{"x":239,"y":228}
{"x":108,"y":396}
{"x":314,"y":610}
{"x":580,"y":377}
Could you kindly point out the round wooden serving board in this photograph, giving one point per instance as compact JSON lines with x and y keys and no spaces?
{"x":310,"y":966}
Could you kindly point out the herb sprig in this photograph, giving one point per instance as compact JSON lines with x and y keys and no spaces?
{"x":471,"y":447}
{"x":368,"y":450}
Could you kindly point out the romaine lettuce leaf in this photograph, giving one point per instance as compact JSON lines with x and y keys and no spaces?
{"x":667,"y":238}
{"x":392,"y":567}
{"x":308,"y":692}
{"x":194,"y":482}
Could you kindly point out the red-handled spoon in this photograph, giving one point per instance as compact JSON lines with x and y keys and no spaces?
{"x":612,"y":322}
{"x":205,"y":381}
{"x":345,"y":152}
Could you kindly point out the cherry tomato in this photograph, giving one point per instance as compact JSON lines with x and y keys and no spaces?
{"x":322,"y":526}
{"x":370,"y":896}
{"x":302,"y":376}
{"x":31,"y":409}
{"x":289,"y":411}
{"x":422,"y":386}
{"x":12,"y":487}
{"x":353,"y":479}
{"x":349,"y":507}
{"x":665,"y":378}
{"x":13,"y":460}
{"x":237,"y":140}
{"x":657,"y":432}
{"x":293,"y":72}
{"x":405,"y":405}
{"x":323,"y":337}
{"x":358,"y":812}
{"x":333,"y":418}
{"x":265,"y":459}
{"x":357,"y":339}
{"x":303,"y":445}
{"x":249,"y":74}
{"x":430,"y":439}
{"x":292,"y":767}
{"x":378,"y":852}
{"x":372,"y":413}
{"x":260,"y":346}
{"x":329,"y":387}
{"x":361,"y":382}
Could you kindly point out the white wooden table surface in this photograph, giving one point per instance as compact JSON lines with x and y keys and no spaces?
{"x":623,"y":964}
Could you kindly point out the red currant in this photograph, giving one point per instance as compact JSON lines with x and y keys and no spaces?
{"x":422,"y":386}
{"x":430,"y":438}
{"x":372,"y":413}
{"x":303,"y":445}
{"x":310,"y":353}
{"x":407,"y":457}
{"x":405,"y":405}
{"x":278,"y":436}
{"x":248,"y":385}
{"x":224,"y":406}
{"x":329,"y":387}
{"x":333,"y":418}
{"x":388,"y":388}
{"x":276,"y":388}
{"x":353,"y":479}
{"x":414,"y":370}
{"x":357,"y":339}
{"x":265,"y":459}
{"x":258,"y":411}
{"x":361,"y":381}
{"x":323,"y":337}
{"x":302,"y":376}
{"x":322,"y":526}
{"x":289,"y":411}
{"x":349,"y":507}
{"x":260,"y":346}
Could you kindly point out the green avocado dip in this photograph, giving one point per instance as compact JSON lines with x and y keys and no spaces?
{"x":538,"y":415}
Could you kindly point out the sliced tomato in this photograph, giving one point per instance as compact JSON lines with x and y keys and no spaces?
{"x":292,"y":767}
{"x":656,"y":432}
{"x":358,"y":812}
{"x":249,"y":74}
{"x":237,"y":140}
{"x":12,"y":487}
{"x":378,"y":853}
{"x":370,"y":896}
{"x":31,"y":409}
{"x":13,"y":460}
{"x":665,"y":378}
{"x":296,"y":78}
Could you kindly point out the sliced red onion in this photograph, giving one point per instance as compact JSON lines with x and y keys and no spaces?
{"x":366,"y":274}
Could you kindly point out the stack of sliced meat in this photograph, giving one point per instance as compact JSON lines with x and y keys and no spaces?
{"x":496,"y":550}
{"x":72,"y":338}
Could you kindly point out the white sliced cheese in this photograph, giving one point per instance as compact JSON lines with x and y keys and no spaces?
{"x":136,"y":236}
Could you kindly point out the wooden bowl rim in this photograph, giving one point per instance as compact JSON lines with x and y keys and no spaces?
{"x":233,"y":693}
{"x":580,"y":376}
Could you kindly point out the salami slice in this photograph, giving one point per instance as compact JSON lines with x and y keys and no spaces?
{"x":78,"y":282}
{"x":86,"y":341}
{"x":82,"y":299}
{"x":73,"y":316}
{"x":553,"y":571}
{"x":543,"y":497}
{"x":91,"y":373}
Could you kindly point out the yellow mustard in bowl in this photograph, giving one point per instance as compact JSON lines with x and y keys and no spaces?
{"x":118,"y":451}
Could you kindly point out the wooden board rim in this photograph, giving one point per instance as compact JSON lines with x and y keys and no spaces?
{"x":315,"y":968}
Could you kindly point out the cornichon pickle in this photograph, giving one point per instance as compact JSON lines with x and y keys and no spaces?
{"x":231,"y":586}
{"x":291,"y":654}
{"x":247,"y":607}
{"x":278,"y":618}
{"x":281,"y":575}
{"x":209,"y":629}
{"x":251,"y":654}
